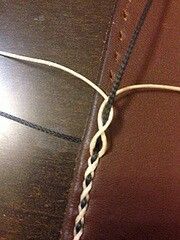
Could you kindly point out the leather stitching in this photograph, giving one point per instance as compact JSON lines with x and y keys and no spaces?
{"x":125,"y":13}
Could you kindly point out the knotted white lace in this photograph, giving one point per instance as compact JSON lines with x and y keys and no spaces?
{"x":101,"y":128}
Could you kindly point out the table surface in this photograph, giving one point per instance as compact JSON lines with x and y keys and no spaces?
{"x":36,"y":168}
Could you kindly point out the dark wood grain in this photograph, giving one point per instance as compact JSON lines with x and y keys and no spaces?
{"x":37,"y":169}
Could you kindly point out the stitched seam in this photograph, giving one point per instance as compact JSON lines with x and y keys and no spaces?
{"x":89,"y":173}
{"x":98,"y":145}
{"x":121,"y":35}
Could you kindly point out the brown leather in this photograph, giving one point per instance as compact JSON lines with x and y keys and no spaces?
{"x":135,"y":191}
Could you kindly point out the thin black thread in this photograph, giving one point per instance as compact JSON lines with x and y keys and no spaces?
{"x":125,"y":61}
{"x":111,"y":99}
{"x":40,"y":128}
{"x":84,"y":201}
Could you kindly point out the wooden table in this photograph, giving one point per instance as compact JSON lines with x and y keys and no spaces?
{"x":37,"y":169}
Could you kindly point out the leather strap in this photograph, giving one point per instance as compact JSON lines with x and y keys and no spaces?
{"x":135,"y":191}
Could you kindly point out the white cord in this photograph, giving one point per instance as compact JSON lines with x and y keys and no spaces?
{"x":101,"y":128}
{"x":54,"y":65}
{"x":101,"y":132}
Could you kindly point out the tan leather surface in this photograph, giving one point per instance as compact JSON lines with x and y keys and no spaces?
{"x":135,"y":191}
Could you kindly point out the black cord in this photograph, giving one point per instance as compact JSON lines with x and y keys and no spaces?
{"x":112,"y":95}
{"x":125,"y":61}
{"x":40,"y":128}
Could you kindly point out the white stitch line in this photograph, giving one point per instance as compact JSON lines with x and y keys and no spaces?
{"x":101,"y":129}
